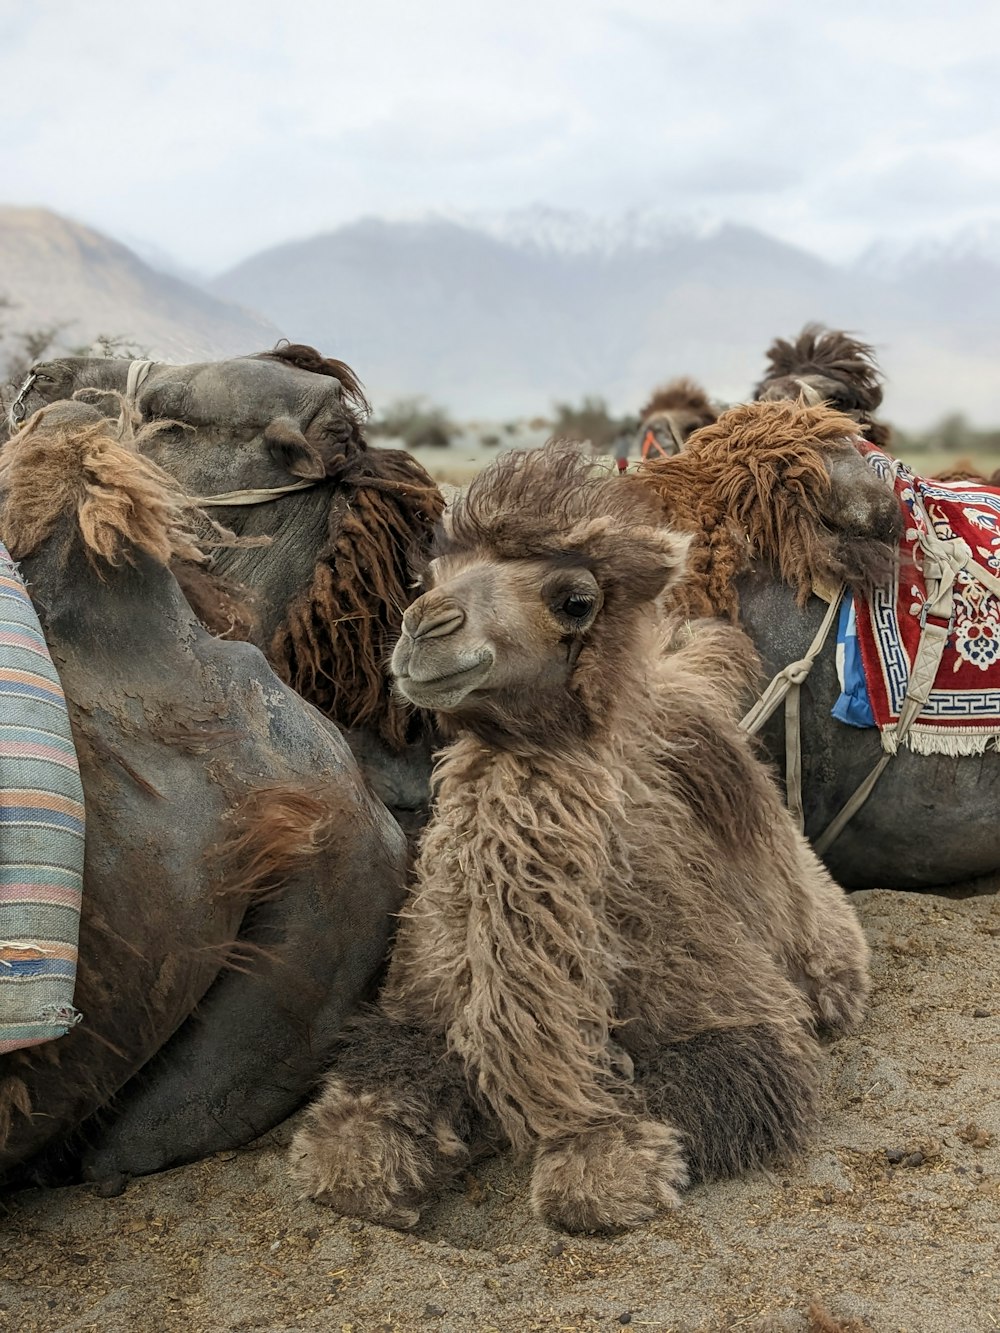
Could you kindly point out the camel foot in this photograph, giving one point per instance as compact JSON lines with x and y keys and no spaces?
{"x":609,"y":1179}
{"x":840,"y":1000}
{"x":373,"y":1155}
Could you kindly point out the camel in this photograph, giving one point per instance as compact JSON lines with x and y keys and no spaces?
{"x":827,"y":365}
{"x":280,"y":435}
{"x":239,"y":878}
{"x":617,"y":951}
{"x":812,"y":511}
{"x":674,"y":412}
{"x":779,"y":503}
{"x":965,"y":470}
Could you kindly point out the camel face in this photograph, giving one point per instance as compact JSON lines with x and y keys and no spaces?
{"x":814,"y":389}
{"x":860,"y":504}
{"x":486,"y":629}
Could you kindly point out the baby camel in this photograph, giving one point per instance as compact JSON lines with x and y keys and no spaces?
{"x":617,"y":950}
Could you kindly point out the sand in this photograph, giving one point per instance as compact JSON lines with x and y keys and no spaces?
{"x":891,"y":1223}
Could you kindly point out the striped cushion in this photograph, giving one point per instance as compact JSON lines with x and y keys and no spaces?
{"x":41,"y":831}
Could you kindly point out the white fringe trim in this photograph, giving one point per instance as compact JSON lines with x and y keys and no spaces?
{"x":931,"y":740}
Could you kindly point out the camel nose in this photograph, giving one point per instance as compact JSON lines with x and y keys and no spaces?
{"x":431,"y":618}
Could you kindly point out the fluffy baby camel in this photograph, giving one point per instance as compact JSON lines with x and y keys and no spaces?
{"x":617,"y":951}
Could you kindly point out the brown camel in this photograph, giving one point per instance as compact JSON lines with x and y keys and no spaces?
{"x":344,"y":525}
{"x":617,"y":951}
{"x":827,"y":365}
{"x":782,"y":484}
{"x":226,"y":823}
{"x":674,"y":412}
{"x":965,"y":470}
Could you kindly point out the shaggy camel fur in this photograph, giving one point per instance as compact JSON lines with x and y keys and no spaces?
{"x":827,"y":365}
{"x":780,"y":483}
{"x":966,"y":470}
{"x":617,"y":949}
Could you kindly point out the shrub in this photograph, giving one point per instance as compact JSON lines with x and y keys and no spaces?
{"x":416,"y":422}
{"x":591,"y":421}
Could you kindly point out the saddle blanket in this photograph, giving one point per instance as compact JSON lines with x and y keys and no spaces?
{"x":962,"y":714}
{"x":41,"y":831}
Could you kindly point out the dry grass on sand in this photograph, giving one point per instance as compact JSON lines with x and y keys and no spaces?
{"x":891,"y":1224}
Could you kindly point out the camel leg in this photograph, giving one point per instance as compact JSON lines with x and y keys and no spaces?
{"x":608,"y":1177}
{"x":829,"y":962}
{"x":740,"y":1097}
{"x":260,"y":1039}
{"x":391,"y":1126}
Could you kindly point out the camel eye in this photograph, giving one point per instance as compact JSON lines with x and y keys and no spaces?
{"x":577,"y":605}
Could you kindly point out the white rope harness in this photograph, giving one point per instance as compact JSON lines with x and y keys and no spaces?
{"x":787,"y":685}
{"x":259,"y":496}
{"x":137,"y":373}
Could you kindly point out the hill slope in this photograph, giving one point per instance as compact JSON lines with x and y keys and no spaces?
{"x":54,"y":271}
{"x":495,"y":323}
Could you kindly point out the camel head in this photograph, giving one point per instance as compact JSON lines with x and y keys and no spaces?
{"x":823,"y":366}
{"x":672,"y":415}
{"x":535,"y":609}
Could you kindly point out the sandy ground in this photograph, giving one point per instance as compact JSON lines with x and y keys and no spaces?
{"x":890,"y":1223}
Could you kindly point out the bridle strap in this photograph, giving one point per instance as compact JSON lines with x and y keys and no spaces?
{"x":137,"y":372}
{"x":257,"y":496}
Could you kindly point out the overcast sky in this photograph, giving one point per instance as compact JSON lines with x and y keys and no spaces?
{"x":213,"y":128}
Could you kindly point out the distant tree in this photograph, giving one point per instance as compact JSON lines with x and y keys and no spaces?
{"x":590,"y":421}
{"x":416,"y":422}
{"x":953,"y":433}
{"x":21,"y":348}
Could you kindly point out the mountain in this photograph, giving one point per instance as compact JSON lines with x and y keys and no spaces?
{"x":54,"y":271}
{"x":501,"y":317}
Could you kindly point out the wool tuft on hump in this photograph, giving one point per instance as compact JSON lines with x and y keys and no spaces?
{"x":68,"y":461}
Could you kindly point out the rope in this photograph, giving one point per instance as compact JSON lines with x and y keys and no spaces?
{"x":787,"y":685}
{"x":258,"y":496}
{"x":137,"y":372}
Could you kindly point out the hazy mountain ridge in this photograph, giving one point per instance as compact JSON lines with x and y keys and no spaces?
{"x":496,"y":320}
{"x":55,"y":271}
{"x":500,"y":318}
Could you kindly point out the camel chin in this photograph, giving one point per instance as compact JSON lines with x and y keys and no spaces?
{"x":441,"y":686}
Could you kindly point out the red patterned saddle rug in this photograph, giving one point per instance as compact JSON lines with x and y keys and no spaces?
{"x":961,"y":519}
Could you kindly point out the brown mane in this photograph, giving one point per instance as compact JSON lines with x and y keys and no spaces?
{"x":525,"y":503}
{"x":680,"y":394}
{"x":338,"y":634}
{"x":303,"y":357}
{"x":752,"y":487}
{"x":833,"y":355}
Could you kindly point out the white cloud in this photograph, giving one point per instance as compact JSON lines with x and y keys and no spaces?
{"x":219,"y":126}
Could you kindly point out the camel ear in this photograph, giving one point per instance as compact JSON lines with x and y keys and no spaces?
{"x":292,"y":451}
{"x":636,"y":564}
{"x":653,"y":560}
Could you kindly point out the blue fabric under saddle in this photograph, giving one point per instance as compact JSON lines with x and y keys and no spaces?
{"x":853,"y":706}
